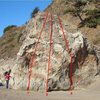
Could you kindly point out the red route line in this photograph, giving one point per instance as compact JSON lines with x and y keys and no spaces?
{"x":32,"y":59}
{"x":69,"y":51}
{"x":50,"y":52}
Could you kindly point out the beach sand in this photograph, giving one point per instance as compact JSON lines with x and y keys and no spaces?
{"x":91,"y":93}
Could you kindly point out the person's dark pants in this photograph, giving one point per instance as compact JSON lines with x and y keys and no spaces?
{"x":7,"y":84}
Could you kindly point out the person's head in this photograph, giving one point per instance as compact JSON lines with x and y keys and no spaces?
{"x":5,"y":73}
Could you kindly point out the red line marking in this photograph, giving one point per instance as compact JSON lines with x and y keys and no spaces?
{"x":35,"y":48}
{"x":69,"y":51}
{"x":50,"y":52}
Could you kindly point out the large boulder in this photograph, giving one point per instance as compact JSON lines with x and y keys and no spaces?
{"x":84,"y":61}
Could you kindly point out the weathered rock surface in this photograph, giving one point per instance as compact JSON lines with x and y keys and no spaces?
{"x":83,"y":58}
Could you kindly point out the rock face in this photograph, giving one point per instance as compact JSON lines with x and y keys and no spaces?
{"x":84,"y":61}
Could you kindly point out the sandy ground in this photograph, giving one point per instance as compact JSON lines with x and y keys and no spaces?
{"x":91,"y":93}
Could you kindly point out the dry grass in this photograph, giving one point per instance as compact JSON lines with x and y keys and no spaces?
{"x":60,"y":6}
{"x":9,"y":45}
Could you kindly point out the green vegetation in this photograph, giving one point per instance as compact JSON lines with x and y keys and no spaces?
{"x":89,"y":18}
{"x":8,"y":28}
{"x":79,"y":6}
{"x":93,"y":22}
{"x":93,"y":18}
{"x":77,"y":10}
{"x":93,"y":12}
{"x":34,"y":12}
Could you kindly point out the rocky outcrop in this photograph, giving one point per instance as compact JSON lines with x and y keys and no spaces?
{"x":84,"y":61}
{"x":97,"y":53}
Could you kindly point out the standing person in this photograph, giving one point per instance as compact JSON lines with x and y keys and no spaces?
{"x":7,"y":77}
